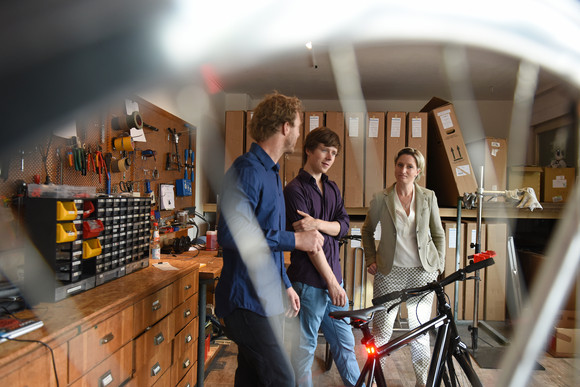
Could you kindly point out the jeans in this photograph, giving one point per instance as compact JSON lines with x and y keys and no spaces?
{"x":262,"y":360}
{"x":315,"y":305}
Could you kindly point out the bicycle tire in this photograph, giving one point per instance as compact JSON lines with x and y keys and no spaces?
{"x":458,"y":371}
{"x":327,"y":358}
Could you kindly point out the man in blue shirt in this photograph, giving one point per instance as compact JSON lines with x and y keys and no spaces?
{"x":252,"y":232}
{"x":314,"y":203}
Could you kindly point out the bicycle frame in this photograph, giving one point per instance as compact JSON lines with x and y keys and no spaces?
{"x":446,"y":343}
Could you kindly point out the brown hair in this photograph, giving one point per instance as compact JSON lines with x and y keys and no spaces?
{"x":419,"y":158}
{"x":274,"y":110}
{"x":320,"y":135}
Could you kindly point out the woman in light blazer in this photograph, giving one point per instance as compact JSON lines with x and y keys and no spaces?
{"x":411,"y":251}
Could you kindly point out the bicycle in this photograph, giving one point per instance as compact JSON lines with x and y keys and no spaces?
{"x":450,"y":361}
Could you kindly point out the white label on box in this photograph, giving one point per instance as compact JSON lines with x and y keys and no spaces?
{"x":353,"y":127}
{"x":395,"y":127}
{"x":495,"y":144}
{"x":473,"y":237}
{"x":416,"y":127}
{"x":373,"y":127}
{"x":355,"y":231}
{"x":494,"y":152}
{"x":445,"y":117}
{"x":452,"y":238}
{"x":462,"y":170}
{"x":559,"y":182}
{"x":314,"y":122}
{"x":378,"y":232}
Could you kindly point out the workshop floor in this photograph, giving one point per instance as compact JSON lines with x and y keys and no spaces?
{"x":556,"y":371}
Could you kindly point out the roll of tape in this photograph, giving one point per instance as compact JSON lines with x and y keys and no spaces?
{"x":119,"y":165}
{"x":123,"y":143}
{"x":122,"y":165}
{"x":126,"y":122}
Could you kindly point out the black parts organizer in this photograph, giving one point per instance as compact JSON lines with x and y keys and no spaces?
{"x":77,"y":244}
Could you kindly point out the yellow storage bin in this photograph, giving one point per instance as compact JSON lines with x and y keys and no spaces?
{"x":65,"y":232}
{"x":92,"y":248}
{"x":66,"y":210}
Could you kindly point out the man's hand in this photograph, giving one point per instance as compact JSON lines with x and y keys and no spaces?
{"x":309,"y":241}
{"x":293,"y":303}
{"x":372,"y":269}
{"x":337,"y":294}
{"x":307,"y":223}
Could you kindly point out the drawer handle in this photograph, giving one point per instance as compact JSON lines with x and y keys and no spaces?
{"x":156,"y":305}
{"x":186,"y":363}
{"x":155,"y":369}
{"x":107,"y":338}
{"x":187,"y":287}
{"x":106,"y":379}
{"x":158,"y":339}
{"x":187,"y":313}
{"x":188,"y":339}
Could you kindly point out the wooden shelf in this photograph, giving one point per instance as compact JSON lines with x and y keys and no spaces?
{"x":491,"y":210}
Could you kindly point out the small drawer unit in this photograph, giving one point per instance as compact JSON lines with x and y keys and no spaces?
{"x":82,"y":243}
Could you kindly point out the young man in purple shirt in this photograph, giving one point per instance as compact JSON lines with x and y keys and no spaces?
{"x":314,"y":203}
{"x":253,"y":288}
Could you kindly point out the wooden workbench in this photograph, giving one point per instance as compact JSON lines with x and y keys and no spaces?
{"x":210,"y":268}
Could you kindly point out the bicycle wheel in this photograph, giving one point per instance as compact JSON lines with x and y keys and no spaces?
{"x":458,"y":371}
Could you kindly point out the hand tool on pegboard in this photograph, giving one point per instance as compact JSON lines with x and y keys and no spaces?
{"x":146,"y":125}
{"x":175,"y":137}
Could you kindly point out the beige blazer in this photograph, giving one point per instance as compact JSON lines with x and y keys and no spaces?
{"x":430,"y":233}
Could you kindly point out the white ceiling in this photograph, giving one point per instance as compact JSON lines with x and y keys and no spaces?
{"x":387,"y":72}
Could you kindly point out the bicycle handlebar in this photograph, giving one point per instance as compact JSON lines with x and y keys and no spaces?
{"x":459,"y":275}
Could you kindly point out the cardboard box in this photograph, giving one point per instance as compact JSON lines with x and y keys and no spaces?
{"x":312,"y":120}
{"x":469,"y":286}
{"x":491,"y":153}
{"x":234,"y":136}
{"x":417,"y":138}
{"x":566,"y":335}
{"x":522,"y":177}
{"x":293,"y":161}
{"x":249,"y":139}
{"x":335,"y":122}
{"x":495,"y":275}
{"x":450,"y":173}
{"x":531,"y":264}
{"x":358,"y":284}
{"x":374,"y":155}
{"x":354,"y":152}
{"x":558,"y":184}
{"x":396,"y":138}
{"x":450,"y":262}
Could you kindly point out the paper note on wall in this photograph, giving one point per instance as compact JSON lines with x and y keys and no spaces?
{"x":416,"y":127}
{"x":314,"y":123}
{"x":373,"y":127}
{"x":395,"y":127}
{"x":353,"y":127}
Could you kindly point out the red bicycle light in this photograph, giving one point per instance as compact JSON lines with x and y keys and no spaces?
{"x":483,"y":256}
{"x":371,"y":349}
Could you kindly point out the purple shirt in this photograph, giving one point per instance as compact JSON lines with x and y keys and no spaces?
{"x":303,"y":194}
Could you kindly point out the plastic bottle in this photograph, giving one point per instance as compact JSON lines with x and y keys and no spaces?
{"x":155,"y":245}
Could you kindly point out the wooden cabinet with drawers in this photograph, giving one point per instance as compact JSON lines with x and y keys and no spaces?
{"x":139,"y":330}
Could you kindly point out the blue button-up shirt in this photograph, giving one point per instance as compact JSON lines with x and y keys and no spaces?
{"x":252,"y":233}
{"x":303,"y":194}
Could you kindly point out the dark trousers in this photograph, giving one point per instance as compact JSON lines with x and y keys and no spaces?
{"x":262,"y":360}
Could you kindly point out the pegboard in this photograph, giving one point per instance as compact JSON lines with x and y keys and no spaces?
{"x":96,"y":132}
